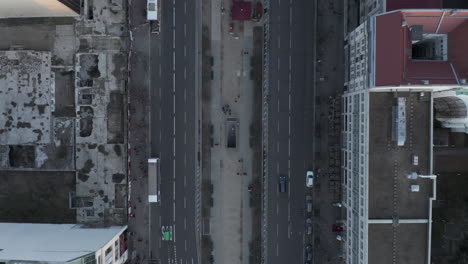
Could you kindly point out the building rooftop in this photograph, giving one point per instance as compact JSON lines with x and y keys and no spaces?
{"x":438,"y":58}
{"x":389,"y":164}
{"x":397,"y":216}
{"x":407,"y":4}
{"x":39,"y":8}
{"x":50,"y":242}
{"x":241,"y":10}
{"x":398,"y":244}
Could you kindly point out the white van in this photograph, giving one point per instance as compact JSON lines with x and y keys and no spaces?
{"x":152,"y":10}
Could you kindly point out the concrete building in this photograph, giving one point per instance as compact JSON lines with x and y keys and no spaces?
{"x":62,"y":243}
{"x":400,"y":66}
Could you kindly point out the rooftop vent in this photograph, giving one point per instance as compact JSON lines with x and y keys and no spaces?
{"x":416,"y":32}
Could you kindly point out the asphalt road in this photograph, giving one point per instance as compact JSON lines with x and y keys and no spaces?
{"x":290,"y":126}
{"x":173,"y":130}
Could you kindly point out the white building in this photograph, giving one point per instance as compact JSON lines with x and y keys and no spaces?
{"x":39,"y":8}
{"x":62,"y":243}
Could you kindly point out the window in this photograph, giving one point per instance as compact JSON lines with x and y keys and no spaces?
{"x":116,"y":250}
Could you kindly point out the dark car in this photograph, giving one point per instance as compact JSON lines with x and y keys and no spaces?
{"x":282,"y":184}
{"x":309,"y":203}
{"x":308,"y":253}
{"x":308,"y":226}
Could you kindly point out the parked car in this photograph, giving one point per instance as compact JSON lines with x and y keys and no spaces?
{"x":282,"y":184}
{"x":309,"y":226}
{"x":310,"y":178}
{"x":309,"y":204}
{"x":308,"y":253}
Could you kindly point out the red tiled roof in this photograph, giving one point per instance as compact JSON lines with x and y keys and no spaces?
{"x":408,"y":4}
{"x":393,"y":63}
{"x":241,"y":10}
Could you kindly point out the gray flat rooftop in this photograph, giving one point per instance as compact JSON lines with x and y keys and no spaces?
{"x":406,"y":239}
{"x":389,"y":164}
{"x":390,"y":196}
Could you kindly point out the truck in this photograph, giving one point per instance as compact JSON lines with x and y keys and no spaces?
{"x":153,"y":180}
{"x":153,"y":14}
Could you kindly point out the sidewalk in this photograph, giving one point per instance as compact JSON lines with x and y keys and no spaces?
{"x":231,"y":168}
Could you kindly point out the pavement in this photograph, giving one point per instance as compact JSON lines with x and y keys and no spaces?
{"x":290,"y":126}
{"x":164,"y":82}
{"x":231,"y":168}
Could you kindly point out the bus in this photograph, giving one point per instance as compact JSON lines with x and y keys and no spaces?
{"x":153,"y":180}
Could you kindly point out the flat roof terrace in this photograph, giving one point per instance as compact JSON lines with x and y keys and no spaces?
{"x":399,"y":242}
{"x":389,"y":187}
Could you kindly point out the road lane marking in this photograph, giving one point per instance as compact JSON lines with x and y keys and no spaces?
{"x":278,"y":126}
{"x":279,"y":63}
{"x":290,"y":16}
{"x":185,"y":30}
{"x":185,"y":223}
{"x":185,"y":184}
{"x":277,"y":212}
{"x":279,"y":42}
{"x":174,"y":194}
{"x":185,"y":248}
{"x":185,"y":137}
{"x":185,"y":78}
{"x":173,"y":166}
{"x":185,"y":117}
{"x":277,"y":147}
{"x":278,"y":105}
{"x":277,"y":168}
{"x":185,"y":199}
{"x":277,"y":250}
{"x":277,"y":230}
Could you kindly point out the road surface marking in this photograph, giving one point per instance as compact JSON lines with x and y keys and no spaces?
{"x":174,"y":229}
{"x":185,"y":30}
{"x":185,"y":137}
{"x":185,"y":223}
{"x":277,"y":146}
{"x":278,"y":106}
{"x":277,"y":212}
{"x":173,"y":61}
{"x":185,"y":117}
{"x":290,"y":16}
{"x":289,"y":211}
{"x":277,"y":250}
{"x":173,"y":214}
{"x":173,"y":195}
{"x":277,"y":230}
{"x":185,"y":78}
{"x":277,"y":168}
{"x":185,"y":7}
{"x":278,"y":125}
{"x":185,"y":199}
{"x":279,"y":42}
{"x":185,"y":185}
{"x":279,"y":63}
{"x":173,"y":166}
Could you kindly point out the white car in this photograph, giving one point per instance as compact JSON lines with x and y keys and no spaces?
{"x":152,"y":9}
{"x":310,"y":179}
